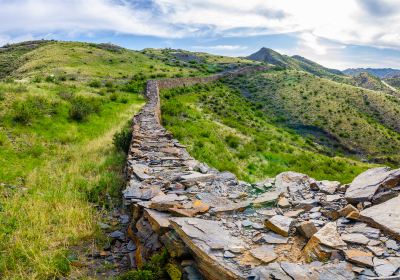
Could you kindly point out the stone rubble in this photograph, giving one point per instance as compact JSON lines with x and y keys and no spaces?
{"x":288,"y":227}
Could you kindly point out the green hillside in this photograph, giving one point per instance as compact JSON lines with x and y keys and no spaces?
{"x":223,"y":129}
{"x":347,"y":118}
{"x":60,"y":105}
{"x":296,"y":62}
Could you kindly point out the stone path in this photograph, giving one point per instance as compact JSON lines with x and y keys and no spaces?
{"x":221,"y":228}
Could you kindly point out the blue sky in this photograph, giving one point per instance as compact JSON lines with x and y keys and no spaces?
{"x":335,"y":33}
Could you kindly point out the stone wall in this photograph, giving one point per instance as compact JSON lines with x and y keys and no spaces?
{"x":216,"y":226}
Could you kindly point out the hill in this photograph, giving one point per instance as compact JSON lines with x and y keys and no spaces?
{"x":295,"y":62}
{"x":382,"y":73}
{"x":61,"y":103}
{"x":369,"y":81}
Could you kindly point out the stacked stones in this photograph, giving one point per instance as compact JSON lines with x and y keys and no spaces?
{"x":289,"y":227}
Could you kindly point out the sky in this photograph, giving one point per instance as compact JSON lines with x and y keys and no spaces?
{"x":335,"y":33}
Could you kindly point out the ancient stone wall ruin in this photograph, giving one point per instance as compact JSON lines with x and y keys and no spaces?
{"x":217,"y":225}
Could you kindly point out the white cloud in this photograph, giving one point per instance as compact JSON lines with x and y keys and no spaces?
{"x":221,"y":47}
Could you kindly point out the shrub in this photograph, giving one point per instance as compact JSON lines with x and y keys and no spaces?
{"x":82,"y":107}
{"x":94,"y":84}
{"x":122,"y":139}
{"x":232,"y":141}
{"x":66,"y":95}
{"x":25,"y":110}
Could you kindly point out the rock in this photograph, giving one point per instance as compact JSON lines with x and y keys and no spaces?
{"x":247,"y":223}
{"x":377,"y":251}
{"x":273,"y":238}
{"x":392,"y":244}
{"x":322,"y":243}
{"x":290,"y":182}
{"x":293,"y":213}
{"x":283,"y":202}
{"x":264,"y":253}
{"x":203,"y":235}
{"x":231,"y":207}
{"x":267,"y":212}
{"x":271,"y":271}
{"x":192,"y":273}
{"x":265,"y":198}
{"x":279,"y":224}
{"x":385,"y":216}
{"x":318,"y":271}
{"x":229,"y":255}
{"x":196,"y":177}
{"x":175,"y":246}
{"x":384,"y":268}
{"x":307,"y":228}
{"x":158,"y":220}
{"x":355,"y":238}
{"x":124,"y":219}
{"x":344,"y":212}
{"x":315,"y":215}
{"x":117,"y":235}
{"x":328,"y":187}
{"x":161,"y":197}
{"x":359,"y":257}
{"x":103,"y":226}
{"x":333,"y":197}
{"x":362,"y":228}
{"x":365,"y":185}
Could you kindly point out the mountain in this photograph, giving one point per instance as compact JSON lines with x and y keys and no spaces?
{"x":382,"y":73}
{"x":294,"y":62}
{"x":369,"y":81}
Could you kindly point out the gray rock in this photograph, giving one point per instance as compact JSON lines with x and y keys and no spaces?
{"x":264,"y":253}
{"x":365,"y":185}
{"x":328,"y":187}
{"x":386,"y":216}
{"x":356,"y":238}
{"x":247,"y":223}
{"x":274,"y":238}
{"x":229,"y":255}
{"x":271,"y":271}
{"x":117,"y":235}
{"x":392,"y":244}
{"x":279,"y":224}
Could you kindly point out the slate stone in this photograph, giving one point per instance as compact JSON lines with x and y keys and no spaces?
{"x":273,"y":238}
{"x":365,"y":185}
{"x":356,"y":238}
{"x":279,"y":224}
{"x":385,"y":216}
{"x":359,"y":257}
{"x":265,"y":198}
{"x":328,"y":187}
{"x":264,"y":253}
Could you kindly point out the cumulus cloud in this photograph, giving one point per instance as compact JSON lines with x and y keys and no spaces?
{"x":359,"y":22}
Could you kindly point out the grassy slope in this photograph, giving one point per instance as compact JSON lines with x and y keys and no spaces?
{"x":53,"y":165}
{"x":352,"y":115}
{"x":224,"y":130}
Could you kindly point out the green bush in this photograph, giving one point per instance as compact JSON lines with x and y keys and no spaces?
{"x":232,"y":141}
{"x":122,"y":139}
{"x":81,"y":107}
{"x":24,"y":111}
{"x":94,"y":84}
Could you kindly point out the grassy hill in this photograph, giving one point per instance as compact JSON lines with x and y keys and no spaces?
{"x":61,"y":103}
{"x":295,"y":62}
{"x":382,"y":73}
{"x":223,"y":129}
{"x":347,"y":118}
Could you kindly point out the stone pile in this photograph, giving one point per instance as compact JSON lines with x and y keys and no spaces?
{"x":288,"y":227}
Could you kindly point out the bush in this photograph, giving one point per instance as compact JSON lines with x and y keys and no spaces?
{"x":94,"y":84}
{"x":82,"y":107}
{"x":33,"y":106}
{"x":122,"y":139}
{"x":232,"y":141}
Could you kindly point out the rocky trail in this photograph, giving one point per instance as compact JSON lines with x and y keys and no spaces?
{"x":288,"y":227}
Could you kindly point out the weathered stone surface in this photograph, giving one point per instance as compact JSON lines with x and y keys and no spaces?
{"x":328,"y":187}
{"x":283,"y":202}
{"x":385,"y":216}
{"x":271,"y":271}
{"x":355,"y":238}
{"x":365,"y":185}
{"x":359,"y":257}
{"x":266,"y":198}
{"x":307,"y":228}
{"x":158,"y":220}
{"x":322,"y":243}
{"x":196,"y":177}
{"x":264,"y":253}
{"x":273,"y":238}
{"x":279,"y":224}
{"x":200,"y":235}
{"x":291,"y":182}
{"x":318,"y":271}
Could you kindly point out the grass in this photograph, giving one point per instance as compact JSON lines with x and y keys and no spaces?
{"x":228,"y":132}
{"x":60,"y":106}
{"x":349,"y":115}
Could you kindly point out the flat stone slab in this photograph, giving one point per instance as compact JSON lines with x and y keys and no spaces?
{"x":196,"y":177}
{"x":365,"y":185}
{"x":279,"y":224}
{"x":205,"y":238}
{"x":158,"y":220}
{"x":356,"y":238}
{"x":385,"y":216}
{"x":264,"y":253}
{"x":265,"y":198}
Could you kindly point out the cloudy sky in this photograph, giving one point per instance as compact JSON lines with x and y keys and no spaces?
{"x":335,"y":33}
